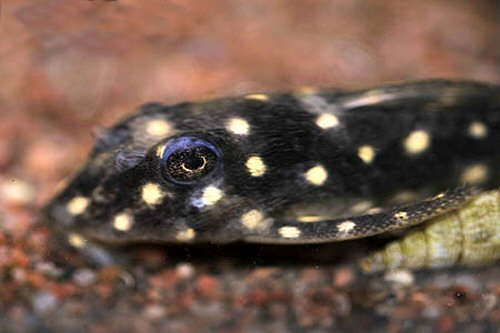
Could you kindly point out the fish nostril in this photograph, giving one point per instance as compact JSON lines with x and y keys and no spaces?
{"x":127,"y":159}
{"x":110,"y":138}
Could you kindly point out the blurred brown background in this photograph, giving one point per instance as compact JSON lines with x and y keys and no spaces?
{"x":68,"y":67}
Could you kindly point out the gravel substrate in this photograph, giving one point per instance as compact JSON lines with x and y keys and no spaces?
{"x":70,"y":67}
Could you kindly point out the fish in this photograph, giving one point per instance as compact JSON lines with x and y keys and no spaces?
{"x":299,"y":167}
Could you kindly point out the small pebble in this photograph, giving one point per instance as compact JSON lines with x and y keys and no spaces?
{"x":128,"y":278}
{"x":19,"y":274}
{"x":343,"y":277}
{"x":431,"y":311}
{"x":185,"y":270}
{"x":154,"y":312}
{"x":400,"y":277}
{"x":44,"y":302}
{"x":84,"y":277}
{"x":49,"y":269}
{"x":17,"y":191}
{"x":342,"y":304}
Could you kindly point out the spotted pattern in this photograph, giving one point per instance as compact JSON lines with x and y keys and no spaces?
{"x":401,"y":216}
{"x":317,"y":175}
{"x":256,"y":166}
{"x":289,"y":232}
{"x":346,"y":226}
{"x":474,"y":174}
{"x":366,"y":153}
{"x":327,"y":120}
{"x":254,"y":220}
{"x":210,"y":196}
{"x":76,"y":240}
{"x":158,"y":127}
{"x":258,"y":97}
{"x":478,"y":130}
{"x":77,"y":205}
{"x":123,"y":222}
{"x":417,"y":142}
{"x":310,"y":218}
{"x":238,"y":126}
{"x":186,"y":235}
{"x":301,"y":167}
{"x":152,"y":194}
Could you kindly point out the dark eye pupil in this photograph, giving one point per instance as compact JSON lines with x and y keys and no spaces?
{"x":190,"y":164}
{"x":189,"y":159}
{"x":195,"y":161}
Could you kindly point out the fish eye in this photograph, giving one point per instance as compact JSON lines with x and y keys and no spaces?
{"x":188,"y":159}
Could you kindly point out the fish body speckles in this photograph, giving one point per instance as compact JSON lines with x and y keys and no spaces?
{"x":305,"y":167}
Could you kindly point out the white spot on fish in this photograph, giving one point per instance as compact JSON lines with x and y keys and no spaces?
{"x":327,"y":120}
{"x":76,"y":240}
{"x":185,"y":235}
{"x":401,"y":216}
{"x":77,"y":205}
{"x":123,"y":222}
{"x":152,"y":194}
{"x":256,"y":166}
{"x":346,"y":226}
{"x":478,"y":130}
{"x":316,"y":175}
{"x":210,"y":195}
{"x":158,"y":127}
{"x":255,"y":220}
{"x":258,"y":97}
{"x":289,"y":232}
{"x":310,"y":218}
{"x":417,"y":142}
{"x":238,"y":126}
{"x":366,"y":153}
{"x":474,"y":174}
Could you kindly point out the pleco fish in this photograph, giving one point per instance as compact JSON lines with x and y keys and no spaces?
{"x":302,"y":167}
